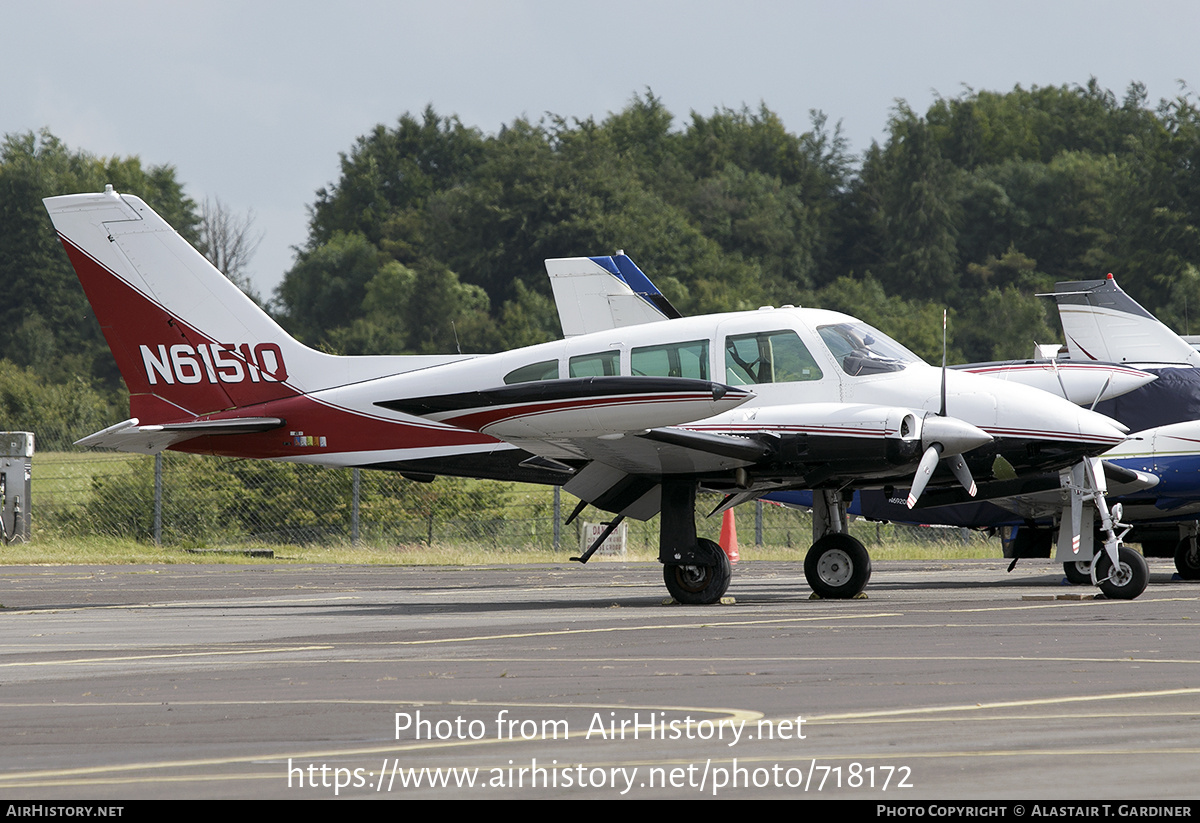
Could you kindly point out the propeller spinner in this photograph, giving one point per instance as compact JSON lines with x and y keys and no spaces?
{"x":946,"y":437}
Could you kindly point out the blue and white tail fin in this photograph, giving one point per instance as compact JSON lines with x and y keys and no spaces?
{"x":600,"y":293}
{"x":1102,"y":322}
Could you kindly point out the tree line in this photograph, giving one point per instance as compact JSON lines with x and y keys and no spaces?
{"x":432,"y":238}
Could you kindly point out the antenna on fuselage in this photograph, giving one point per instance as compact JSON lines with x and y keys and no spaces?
{"x":943,"y":411}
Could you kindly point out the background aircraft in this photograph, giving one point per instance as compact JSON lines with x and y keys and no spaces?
{"x":1101,"y":321}
{"x":611,"y":292}
{"x":632,"y":421}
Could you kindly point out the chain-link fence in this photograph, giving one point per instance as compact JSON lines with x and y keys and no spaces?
{"x":195,"y":501}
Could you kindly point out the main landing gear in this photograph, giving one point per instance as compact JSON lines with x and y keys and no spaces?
{"x":1187,"y":558}
{"x":837,"y":566}
{"x":696,"y":571}
{"x":704,"y":581}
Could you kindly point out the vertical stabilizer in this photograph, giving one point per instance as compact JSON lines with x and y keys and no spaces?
{"x":186,"y":340}
{"x":1102,"y":322}
{"x":600,"y":293}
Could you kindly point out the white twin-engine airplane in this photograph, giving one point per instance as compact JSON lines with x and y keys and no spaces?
{"x":632,"y":420}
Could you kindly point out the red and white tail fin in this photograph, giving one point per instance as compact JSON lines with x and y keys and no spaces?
{"x":186,"y":340}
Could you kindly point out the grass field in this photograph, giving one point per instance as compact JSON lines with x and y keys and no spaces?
{"x":516,"y":529}
{"x":101,"y":550}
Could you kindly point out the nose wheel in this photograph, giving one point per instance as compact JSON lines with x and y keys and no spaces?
{"x":1128,"y":580}
{"x":837,"y":566}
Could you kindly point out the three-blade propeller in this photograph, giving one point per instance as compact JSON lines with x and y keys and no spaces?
{"x":946,"y":437}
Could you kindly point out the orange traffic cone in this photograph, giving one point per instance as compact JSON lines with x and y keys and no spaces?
{"x":729,"y":536}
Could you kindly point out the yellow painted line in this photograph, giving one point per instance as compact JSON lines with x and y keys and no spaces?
{"x":164,"y":656}
{"x":111,"y":774}
{"x":1006,"y":704}
{"x":617,"y":660}
{"x":231,"y":602}
{"x":706,"y":624}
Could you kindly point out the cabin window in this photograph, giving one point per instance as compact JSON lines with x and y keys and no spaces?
{"x":546,"y":370}
{"x":674,"y":360}
{"x":600,"y":364}
{"x":768,"y":357}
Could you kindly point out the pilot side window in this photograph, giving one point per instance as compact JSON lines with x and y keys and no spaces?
{"x":768,"y":357}
{"x":600,"y":364}
{"x":861,"y":349}
{"x":674,"y":360}
{"x":546,"y":370}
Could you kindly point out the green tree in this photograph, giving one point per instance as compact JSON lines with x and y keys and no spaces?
{"x":326,"y":287}
{"x":45,"y":319}
{"x":57,"y":413}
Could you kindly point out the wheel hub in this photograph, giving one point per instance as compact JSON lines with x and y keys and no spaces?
{"x":693,"y":576}
{"x":1121,"y":576}
{"x":835,"y":567}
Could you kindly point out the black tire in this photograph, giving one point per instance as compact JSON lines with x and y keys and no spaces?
{"x":700,"y":585}
{"x":1129,"y":581}
{"x":1187,"y":558}
{"x":1078,"y":572}
{"x":837,"y":566}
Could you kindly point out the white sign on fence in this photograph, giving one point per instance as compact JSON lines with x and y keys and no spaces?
{"x":613,"y":546}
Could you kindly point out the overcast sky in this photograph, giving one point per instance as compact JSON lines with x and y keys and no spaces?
{"x":253,"y":101}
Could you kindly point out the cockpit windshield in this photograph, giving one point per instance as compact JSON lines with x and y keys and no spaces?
{"x":861,"y":349}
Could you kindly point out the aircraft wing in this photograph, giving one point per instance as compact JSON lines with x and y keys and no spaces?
{"x":1083,"y":383}
{"x":1030,"y":498}
{"x":826,"y":445}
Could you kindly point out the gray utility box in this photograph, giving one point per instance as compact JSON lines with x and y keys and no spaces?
{"x":16,"y":468}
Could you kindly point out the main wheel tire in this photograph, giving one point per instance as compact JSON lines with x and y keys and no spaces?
{"x":1187,"y":558}
{"x":699,"y":585}
{"x":1078,"y":572}
{"x":1130,"y":578}
{"x":837,"y":566}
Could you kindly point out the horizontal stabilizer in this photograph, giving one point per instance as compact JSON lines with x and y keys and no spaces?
{"x":128,"y":436}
